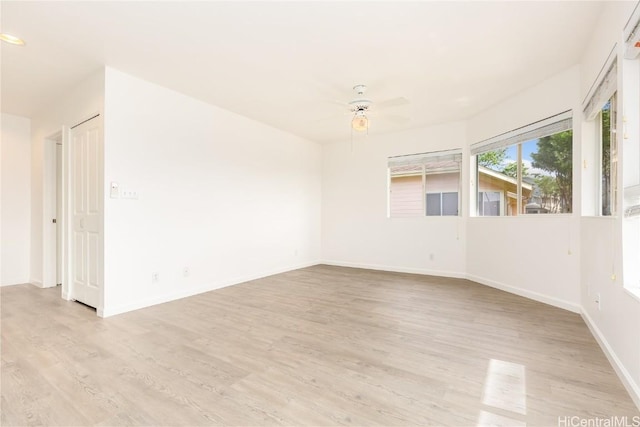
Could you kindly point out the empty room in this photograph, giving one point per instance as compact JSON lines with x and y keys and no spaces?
{"x":320,"y":213}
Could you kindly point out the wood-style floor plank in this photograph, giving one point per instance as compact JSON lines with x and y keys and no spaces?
{"x":319,"y":346}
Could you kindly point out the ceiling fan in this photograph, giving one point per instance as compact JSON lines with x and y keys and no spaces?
{"x":362,"y":108}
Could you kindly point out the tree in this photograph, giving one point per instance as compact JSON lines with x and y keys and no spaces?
{"x":493,"y":159}
{"x":606,"y":159}
{"x":555,"y":155}
{"x":548,"y":192}
{"x":511,"y":169}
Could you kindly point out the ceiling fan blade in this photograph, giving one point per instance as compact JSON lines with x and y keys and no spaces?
{"x":393,"y":102}
{"x":340,"y":103}
{"x":335,"y":117}
{"x":392,"y":118}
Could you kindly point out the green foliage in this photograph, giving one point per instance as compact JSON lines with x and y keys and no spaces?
{"x":606,"y":158}
{"x":555,"y":155}
{"x":511,"y":170}
{"x":493,"y":159}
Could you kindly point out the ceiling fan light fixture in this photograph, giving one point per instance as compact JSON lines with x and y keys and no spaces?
{"x":360,"y":122}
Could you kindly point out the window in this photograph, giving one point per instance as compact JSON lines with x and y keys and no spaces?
{"x":426,"y":184}
{"x":608,"y":158}
{"x":601,"y":108}
{"x":526,"y":171}
{"x":489,"y":203}
{"x":442,"y":204}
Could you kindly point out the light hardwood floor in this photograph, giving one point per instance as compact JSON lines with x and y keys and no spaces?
{"x":317,"y":346}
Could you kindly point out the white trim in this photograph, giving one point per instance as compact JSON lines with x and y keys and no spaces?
{"x":394,"y":269}
{"x":198,"y":289}
{"x":632,"y":292}
{"x":556,"y":302}
{"x":627,"y":380}
{"x":37,"y":283}
{"x":603,"y":87}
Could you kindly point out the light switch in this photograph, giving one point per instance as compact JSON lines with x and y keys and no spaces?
{"x":115,"y":190}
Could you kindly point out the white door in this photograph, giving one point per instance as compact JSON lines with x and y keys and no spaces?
{"x":86,"y":212}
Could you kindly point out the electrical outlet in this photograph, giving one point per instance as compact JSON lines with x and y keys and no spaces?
{"x":129,"y":194}
{"x":186,"y":272}
{"x":155,"y":277}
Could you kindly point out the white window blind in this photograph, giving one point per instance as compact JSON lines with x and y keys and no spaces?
{"x":549,"y":126}
{"x":603,"y":91}
{"x":436,"y":159}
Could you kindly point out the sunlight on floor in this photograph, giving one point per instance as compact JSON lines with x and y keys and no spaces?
{"x":504,"y":395}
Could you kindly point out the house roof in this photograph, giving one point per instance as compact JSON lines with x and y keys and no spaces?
{"x":502,"y":177}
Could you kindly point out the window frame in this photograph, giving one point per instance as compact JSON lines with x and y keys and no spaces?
{"x":442,"y":193}
{"x":424,"y":159}
{"x":552,"y":125}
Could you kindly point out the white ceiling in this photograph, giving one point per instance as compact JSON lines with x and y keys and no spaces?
{"x":286,"y":63}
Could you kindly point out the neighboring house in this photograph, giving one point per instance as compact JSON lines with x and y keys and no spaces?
{"x":497,"y":192}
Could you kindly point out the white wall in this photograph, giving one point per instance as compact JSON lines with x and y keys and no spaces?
{"x":615,"y":323}
{"x":535,"y":256}
{"x":229,"y":198}
{"x":355,"y":228}
{"x":15,"y":216}
{"x":74,"y":105}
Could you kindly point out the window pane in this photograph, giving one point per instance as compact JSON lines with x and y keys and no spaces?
{"x":488,"y":203}
{"x":450,"y":203}
{"x":497,"y":173}
{"x":417,"y":182}
{"x":546,"y":169}
{"x":547,"y":182}
{"x":433,"y":204}
{"x":405,"y":188}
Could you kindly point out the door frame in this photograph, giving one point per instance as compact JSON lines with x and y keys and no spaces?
{"x":49,"y":249}
{"x":48,"y":190}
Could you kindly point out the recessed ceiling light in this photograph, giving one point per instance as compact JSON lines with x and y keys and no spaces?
{"x":11,"y":39}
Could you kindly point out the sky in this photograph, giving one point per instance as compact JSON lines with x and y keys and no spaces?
{"x":528,"y":147}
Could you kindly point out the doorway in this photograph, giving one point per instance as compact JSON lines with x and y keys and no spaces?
{"x":53,"y":221}
{"x":73,"y":212}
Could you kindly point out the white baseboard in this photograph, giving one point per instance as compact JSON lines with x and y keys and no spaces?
{"x":37,"y":283}
{"x":627,"y":380}
{"x":556,"y":302}
{"x":199,"y":289}
{"x":395,"y":269}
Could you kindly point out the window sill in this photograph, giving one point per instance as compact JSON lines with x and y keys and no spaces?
{"x":634,"y":292}
{"x":557,"y":215}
